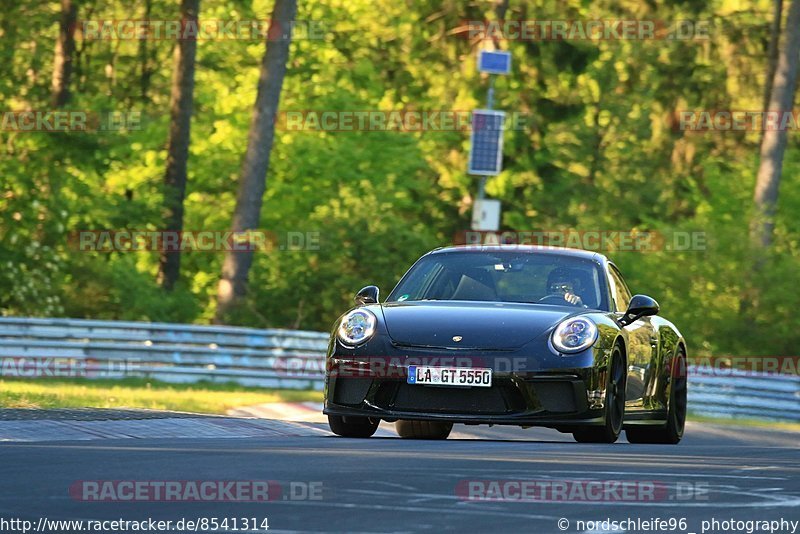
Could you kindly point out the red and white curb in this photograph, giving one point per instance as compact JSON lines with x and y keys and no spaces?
{"x":305,"y":412}
{"x":274,"y":420}
{"x":300,"y":412}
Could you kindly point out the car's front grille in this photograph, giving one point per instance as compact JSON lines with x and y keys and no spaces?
{"x":492,"y":400}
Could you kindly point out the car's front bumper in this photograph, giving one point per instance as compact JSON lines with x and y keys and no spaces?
{"x":529,"y":388}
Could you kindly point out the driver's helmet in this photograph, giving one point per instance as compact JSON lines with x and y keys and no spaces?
{"x":561,"y":281}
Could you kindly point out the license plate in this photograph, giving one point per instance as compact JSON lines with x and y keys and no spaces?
{"x":449,"y":376}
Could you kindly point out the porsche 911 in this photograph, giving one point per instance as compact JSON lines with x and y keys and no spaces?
{"x":508,"y":335}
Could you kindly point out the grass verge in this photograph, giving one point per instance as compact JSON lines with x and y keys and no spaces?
{"x":748,"y":423}
{"x":202,"y":397}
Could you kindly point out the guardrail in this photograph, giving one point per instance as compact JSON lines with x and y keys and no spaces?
{"x":735,"y":394}
{"x":167,"y":352}
{"x":294,"y":359}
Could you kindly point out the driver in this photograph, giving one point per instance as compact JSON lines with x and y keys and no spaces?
{"x":561,"y":284}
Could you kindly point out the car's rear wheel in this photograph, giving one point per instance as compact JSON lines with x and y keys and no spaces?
{"x":353,"y":427}
{"x":614,"y":405}
{"x":423,"y":429}
{"x":672,"y":432}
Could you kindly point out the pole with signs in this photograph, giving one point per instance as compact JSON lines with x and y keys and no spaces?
{"x":486,"y":141}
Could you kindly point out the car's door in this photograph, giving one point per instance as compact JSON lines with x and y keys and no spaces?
{"x":642,"y":344}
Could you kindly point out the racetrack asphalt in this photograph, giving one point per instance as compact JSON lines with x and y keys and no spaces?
{"x":387,"y":484}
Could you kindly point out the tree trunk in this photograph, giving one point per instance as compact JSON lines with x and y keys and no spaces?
{"x":500,"y":8}
{"x":65,"y":49}
{"x":252,"y":184}
{"x":772,"y":57}
{"x":8,"y":35}
{"x":181,"y":103}
{"x":772,"y":51}
{"x":145,"y":72}
{"x":773,"y":144}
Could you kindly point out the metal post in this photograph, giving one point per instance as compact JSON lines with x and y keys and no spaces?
{"x":481,"y":188}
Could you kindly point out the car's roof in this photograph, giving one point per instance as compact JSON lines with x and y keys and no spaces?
{"x":526,"y":249}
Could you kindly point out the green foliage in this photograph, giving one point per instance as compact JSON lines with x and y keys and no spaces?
{"x":598,"y":151}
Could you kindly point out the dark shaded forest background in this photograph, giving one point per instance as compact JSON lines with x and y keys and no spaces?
{"x":600,"y":150}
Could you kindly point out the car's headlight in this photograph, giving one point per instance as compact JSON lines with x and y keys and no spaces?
{"x":574,"y":335}
{"x":357,"y":327}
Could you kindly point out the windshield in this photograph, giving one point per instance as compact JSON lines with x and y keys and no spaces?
{"x":504,"y":277}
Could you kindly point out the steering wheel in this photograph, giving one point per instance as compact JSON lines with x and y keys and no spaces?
{"x":555,"y":299}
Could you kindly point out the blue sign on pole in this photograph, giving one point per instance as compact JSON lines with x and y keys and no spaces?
{"x":494,"y":62}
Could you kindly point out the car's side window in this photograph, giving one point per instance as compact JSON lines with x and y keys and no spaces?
{"x":621,"y":293}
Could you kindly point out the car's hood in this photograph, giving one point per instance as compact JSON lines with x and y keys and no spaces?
{"x":483,"y":325}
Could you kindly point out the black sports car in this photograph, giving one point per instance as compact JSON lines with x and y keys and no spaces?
{"x":512,"y":335}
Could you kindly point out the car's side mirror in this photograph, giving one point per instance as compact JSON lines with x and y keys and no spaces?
{"x":367,"y":295}
{"x":639,"y":306}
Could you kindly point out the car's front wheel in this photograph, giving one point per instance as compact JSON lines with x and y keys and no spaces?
{"x":672,"y":432}
{"x":353,"y":427}
{"x":615,"y":404}
{"x":423,"y":429}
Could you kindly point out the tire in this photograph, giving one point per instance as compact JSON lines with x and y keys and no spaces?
{"x":353,"y":427}
{"x":614,"y":405}
{"x":671,"y":432}
{"x":422,"y":429}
